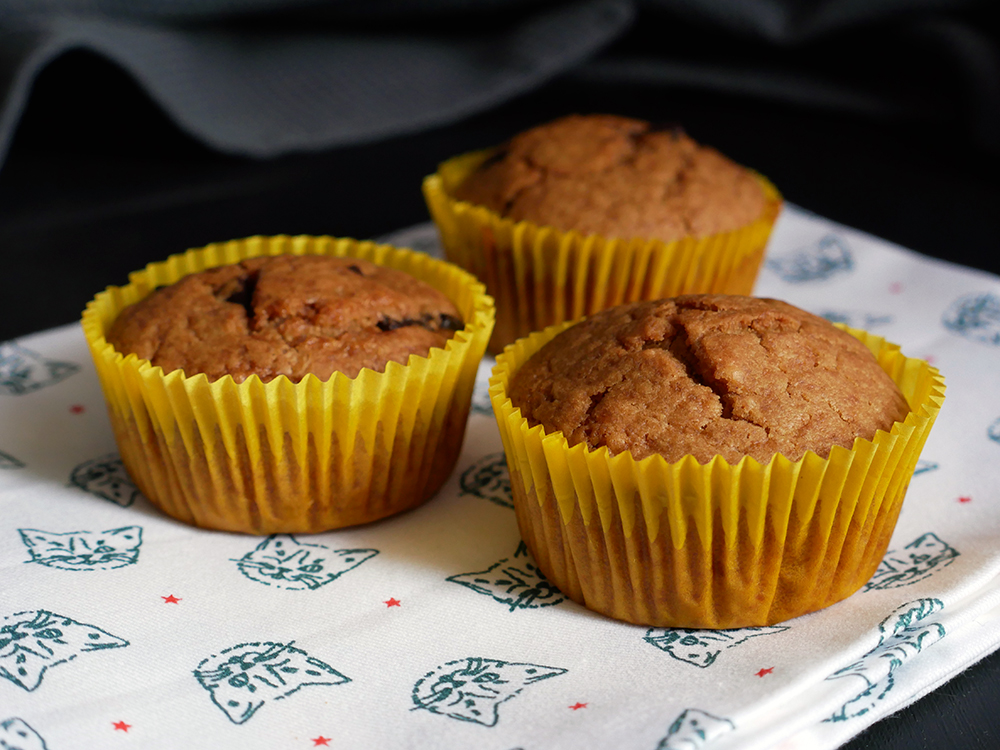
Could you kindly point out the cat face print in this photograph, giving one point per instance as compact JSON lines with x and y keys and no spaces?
{"x":106,"y":477}
{"x":694,"y":729}
{"x":702,"y":647}
{"x":23,"y":371}
{"x":697,"y":647}
{"x":284,"y":562}
{"x":918,"y":560}
{"x":481,"y":403}
{"x":513,"y":581}
{"x":907,"y":631}
{"x":472,"y":689}
{"x":822,"y":260}
{"x":489,"y":479}
{"x":33,"y":641}
{"x":975,"y":316}
{"x":857,"y":318}
{"x":15,"y":734}
{"x":83,"y":550}
{"x":243,"y":678}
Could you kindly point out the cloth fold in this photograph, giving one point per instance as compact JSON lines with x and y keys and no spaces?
{"x":268,"y":77}
{"x":264,"y":93}
{"x":435,"y":628}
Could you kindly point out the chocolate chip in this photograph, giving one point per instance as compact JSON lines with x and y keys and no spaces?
{"x":451,"y":323}
{"x":441,"y":322}
{"x":388,"y":324}
{"x":355,"y":269}
{"x":243,"y":293}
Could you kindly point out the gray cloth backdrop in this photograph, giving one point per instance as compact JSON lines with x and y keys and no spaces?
{"x":268,"y":77}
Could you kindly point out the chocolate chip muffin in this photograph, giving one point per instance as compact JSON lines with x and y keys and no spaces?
{"x":707,"y":375}
{"x":616,"y":177}
{"x":287,"y":315}
{"x":268,"y":384}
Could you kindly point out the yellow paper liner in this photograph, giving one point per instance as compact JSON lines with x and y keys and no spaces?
{"x":541,"y":276}
{"x":284,"y":457}
{"x":715,"y":545}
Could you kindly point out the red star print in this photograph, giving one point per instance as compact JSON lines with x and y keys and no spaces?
{"x":321,"y":740}
{"x":76,"y":409}
{"x":965,"y":499}
{"x":121,"y":725}
{"x":577,"y":706}
{"x":895,"y":287}
{"x":170,"y":599}
{"x":390,"y":602}
{"x":763,"y":672}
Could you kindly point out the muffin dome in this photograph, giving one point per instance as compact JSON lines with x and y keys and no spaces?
{"x":708,"y":375}
{"x":287,"y":315}
{"x":616,"y":177}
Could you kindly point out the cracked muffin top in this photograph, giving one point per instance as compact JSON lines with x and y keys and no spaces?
{"x":708,"y":375}
{"x":287,"y":315}
{"x":617,"y":177}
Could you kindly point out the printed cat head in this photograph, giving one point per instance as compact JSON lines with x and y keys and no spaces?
{"x":481,"y":403}
{"x":23,"y":371}
{"x":993,"y":431}
{"x":817,"y":262}
{"x":84,"y":550}
{"x":516,"y":582}
{"x":15,"y":734}
{"x":902,"y":635}
{"x":916,"y":561}
{"x":857,"y":318}
{"x":34,"y":640}
{"x":472,"y":689}
{"x":694,"y":729}
{"x":975,"y":316}
{"x":702,"y":647}
{"x":489,"y":479}
{"x":243,"y":678}
{"x":286,"y":563}
{"x":106,"y":477}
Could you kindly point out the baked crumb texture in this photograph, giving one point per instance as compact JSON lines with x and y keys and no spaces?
{"x":616,"y":177}
{"x":695,"y":541}
{"x":287,"y":315}
{"x":589,"y":212}
{"x":708,"y":375}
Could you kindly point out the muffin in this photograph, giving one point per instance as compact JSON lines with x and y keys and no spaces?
{"x":710,"y":461}
{"x":587,"y":212}
{"x":289,"y":385}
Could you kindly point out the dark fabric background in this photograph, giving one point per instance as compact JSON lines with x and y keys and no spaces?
{"x":270,"y":77}
{"x":132,"y":129}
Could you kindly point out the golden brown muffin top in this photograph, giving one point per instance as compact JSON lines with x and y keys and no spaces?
{"x":286,"y":315}
{"x":706,"y":375}
{"x":617,"y":177}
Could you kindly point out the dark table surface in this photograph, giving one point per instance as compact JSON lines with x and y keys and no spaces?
{"x":98,"y":183}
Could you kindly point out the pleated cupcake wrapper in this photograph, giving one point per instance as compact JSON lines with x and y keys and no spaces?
{"x":541,"y":276}
{"x":715,"y":545}
{"x":282,"y":456}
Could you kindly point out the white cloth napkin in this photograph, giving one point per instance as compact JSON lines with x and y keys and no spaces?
{"x":120,"y":627}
